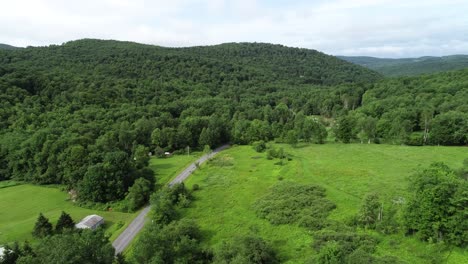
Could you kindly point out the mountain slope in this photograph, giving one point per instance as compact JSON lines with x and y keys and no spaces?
{"x":7,"y":47}
{"x":411,"y":66}
{"x":258,"y":61}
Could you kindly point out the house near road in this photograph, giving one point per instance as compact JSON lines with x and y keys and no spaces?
{"x":90,"y":222}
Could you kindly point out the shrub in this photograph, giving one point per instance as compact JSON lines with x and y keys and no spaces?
{"x":289,"y":202}
{"x":247,"y":249}
{"x":343,"y":247}
{"x":259,"y":146}
{"x":415,"y":139}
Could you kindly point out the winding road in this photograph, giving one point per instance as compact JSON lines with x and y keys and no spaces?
{"x":126,"y":237}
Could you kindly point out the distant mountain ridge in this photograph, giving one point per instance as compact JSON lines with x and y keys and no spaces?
{"x":410,"y":66}
{"x":8,"y":47}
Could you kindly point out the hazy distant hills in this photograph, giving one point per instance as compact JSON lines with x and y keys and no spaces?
{"x":6,"y":46}
{"x":410,"y":66}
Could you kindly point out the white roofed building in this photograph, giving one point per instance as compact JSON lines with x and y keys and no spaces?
{"x":90,"y":222}
{"x":2,"y":252}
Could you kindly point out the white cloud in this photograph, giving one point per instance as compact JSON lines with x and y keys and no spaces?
{"x":351,"y":27}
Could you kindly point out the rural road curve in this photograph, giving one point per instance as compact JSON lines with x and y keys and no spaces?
{"x":126,"y":237}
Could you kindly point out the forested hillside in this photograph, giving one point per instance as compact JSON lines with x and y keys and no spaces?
{"x":87,"y":113}
{"x":411,"y":66}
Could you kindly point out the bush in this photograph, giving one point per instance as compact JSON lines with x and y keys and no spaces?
{"x":271,"y":154}
{"x":415,"y":139}
{"x":343,"y":247}
{"x":247,"y":249}
{"x":195,"y":187}
{"x":259,"y":146}
{"x":289,"y":202}
{"x":222,"y":160}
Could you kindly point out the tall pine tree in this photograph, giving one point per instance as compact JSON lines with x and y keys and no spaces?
{"x":64,"y":222}
{"x":42,"y":227}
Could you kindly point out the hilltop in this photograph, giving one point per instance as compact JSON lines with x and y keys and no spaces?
{"x":249,"y":61}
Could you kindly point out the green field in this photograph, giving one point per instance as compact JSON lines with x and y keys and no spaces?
{"x":223,"y":205}
{"x":166,"y":169}
{"x":21,"y":204}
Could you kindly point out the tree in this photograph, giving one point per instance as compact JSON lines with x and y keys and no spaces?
{"x":437,"y":205}
{"x":330,"y":254}
{"x":245,"y":249}
{"x":371,"y":210}
{"x":344,"y":129}
{"x":291,"y":137}
{"x":107,"y":181}
{"x":43,"y":227}
{"x":205,"y":137}
{"x":177,"y":242}
{"x":141,"y":157}
{"x":426,"y":118}
{"x":156,"y":138}
{"x":87,"y":246}
{"x":450,"y":128}
{"x":64,"y":222}
{"x":139,"y":193}
{"x":367,"y":126}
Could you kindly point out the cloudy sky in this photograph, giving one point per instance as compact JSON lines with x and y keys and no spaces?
{"x":382,"y":28}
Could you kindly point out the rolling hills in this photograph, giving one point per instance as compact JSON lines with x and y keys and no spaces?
{"x":7,"y":47}
{"x":410,"y":66}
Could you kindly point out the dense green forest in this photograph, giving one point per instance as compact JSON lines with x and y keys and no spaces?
{"x":87,"y":113}
{"x":410,"y":66}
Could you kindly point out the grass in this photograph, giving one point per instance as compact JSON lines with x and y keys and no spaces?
{"x":168,"y":168}
{"x":20,"y":206}
{"x":223,"y":206}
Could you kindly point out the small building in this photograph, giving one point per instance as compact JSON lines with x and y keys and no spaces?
{"x":90,"y":222}
{"x":167,"y":153}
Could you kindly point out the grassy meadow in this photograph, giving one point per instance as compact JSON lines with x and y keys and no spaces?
{"x":168,"y":168}
{"x":230,"y":184}
{"x":21,"y":204}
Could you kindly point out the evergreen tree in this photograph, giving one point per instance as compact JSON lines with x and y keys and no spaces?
{"x":64,"y":222}
{"x":43,"y":227}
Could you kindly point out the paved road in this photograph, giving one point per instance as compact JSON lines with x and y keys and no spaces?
{"x":137,"y":224}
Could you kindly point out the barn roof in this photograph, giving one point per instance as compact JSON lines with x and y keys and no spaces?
{"x":90,"y":221}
